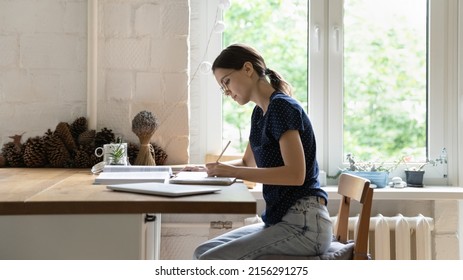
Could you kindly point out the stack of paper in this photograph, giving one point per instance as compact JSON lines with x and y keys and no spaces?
{"x":137,"y":168}
{"x":106,"y":178}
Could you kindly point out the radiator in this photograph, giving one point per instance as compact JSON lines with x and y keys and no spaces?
{"x":398,"y":237}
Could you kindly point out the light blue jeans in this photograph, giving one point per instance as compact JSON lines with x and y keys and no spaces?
{"x":306,"y":229}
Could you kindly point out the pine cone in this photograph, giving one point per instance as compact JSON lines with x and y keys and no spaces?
{"x":87,"y":138}
{"x":17,"y":141}
{"x":63,"y":131}
{"x":132,"y":152}
{"x":78,"y":127}
{"x":2,"y":161}
{"x":13,"y":154}
{"x":105,"y":136}
{"x":34,"y":152}
{"x":85,"y":157}
{"x":160,"y":156}
{"x":82,"y":159}
{"x":93,"y":159}
{"x":48,"y":134}
{"x":57,"y":153}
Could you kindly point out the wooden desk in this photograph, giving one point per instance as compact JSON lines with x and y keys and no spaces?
{"x":42,"y":196}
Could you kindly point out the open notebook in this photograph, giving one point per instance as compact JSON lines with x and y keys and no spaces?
{"x":200,"y":178}
{"x":163,"y":189}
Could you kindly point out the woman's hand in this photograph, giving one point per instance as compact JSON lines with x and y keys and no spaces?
{"x":197,"y":168}
{"x":220,"y":169}
{"x":292,"y":173}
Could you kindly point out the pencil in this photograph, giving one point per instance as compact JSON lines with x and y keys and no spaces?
{"x":223,"y":151}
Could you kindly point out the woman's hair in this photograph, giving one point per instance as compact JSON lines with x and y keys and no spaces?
{"x":234,"y":57}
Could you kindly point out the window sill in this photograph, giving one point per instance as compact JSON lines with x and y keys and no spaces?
{"x":425,"y":193}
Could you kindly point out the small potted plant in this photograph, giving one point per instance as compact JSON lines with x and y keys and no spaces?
{"x":377,"y":174}
{"x":414,"y":175}
{"x":118,"y":154}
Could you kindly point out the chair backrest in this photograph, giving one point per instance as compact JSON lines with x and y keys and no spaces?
{"x":352,"y":187}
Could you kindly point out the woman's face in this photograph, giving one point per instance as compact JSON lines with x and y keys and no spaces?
{"x":234,"y":83}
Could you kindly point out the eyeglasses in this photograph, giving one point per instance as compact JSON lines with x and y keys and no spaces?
{"x":225,"y":83}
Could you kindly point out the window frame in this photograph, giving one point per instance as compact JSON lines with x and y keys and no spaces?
{"x":205,"y":100}
{"x":325,"y":85}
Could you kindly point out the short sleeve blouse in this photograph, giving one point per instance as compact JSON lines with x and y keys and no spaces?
{"x":284,"y":113}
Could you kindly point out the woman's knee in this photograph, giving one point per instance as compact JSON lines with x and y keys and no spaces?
{"x":199,"y":251}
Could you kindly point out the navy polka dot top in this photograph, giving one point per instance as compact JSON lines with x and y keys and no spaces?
{"x":283,"y":113}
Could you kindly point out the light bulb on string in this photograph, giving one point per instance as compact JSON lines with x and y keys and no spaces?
{"x":224,"y":4}
{"x":205,"y":67}
{"x":219,"y":27}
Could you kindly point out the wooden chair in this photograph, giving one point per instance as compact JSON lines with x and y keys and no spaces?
{"x":350,"y":188}
{"x":355,"y":188}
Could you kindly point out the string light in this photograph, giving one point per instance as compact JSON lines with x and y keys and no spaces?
{"x":224,"y":4}
{"x":205,"y":67}
{"x":219,"y":27}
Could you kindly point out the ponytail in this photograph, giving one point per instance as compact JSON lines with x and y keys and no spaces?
{"x":277,"y":82}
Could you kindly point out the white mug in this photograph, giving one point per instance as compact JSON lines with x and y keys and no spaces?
{"x":108,"y":149}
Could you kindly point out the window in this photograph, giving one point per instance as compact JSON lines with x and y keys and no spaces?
{"x":384,"y":79}
{"x":336,"y":78}
{"x":371,"y":83}
{"x":278,"y":30}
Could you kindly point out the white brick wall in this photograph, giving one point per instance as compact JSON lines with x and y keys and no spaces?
{"x":143,"y":58}
{"x":143,"y":64}
{"x":148,"y":20}
{"x":42,"y":65}
{"x":9,"y":53}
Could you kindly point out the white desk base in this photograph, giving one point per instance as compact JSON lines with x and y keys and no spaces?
{"x":89,"y":237}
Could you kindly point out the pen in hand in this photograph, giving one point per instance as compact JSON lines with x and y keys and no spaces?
{"x":223,"y":151}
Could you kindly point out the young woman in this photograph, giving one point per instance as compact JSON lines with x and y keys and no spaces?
{"x":280,"y":155}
